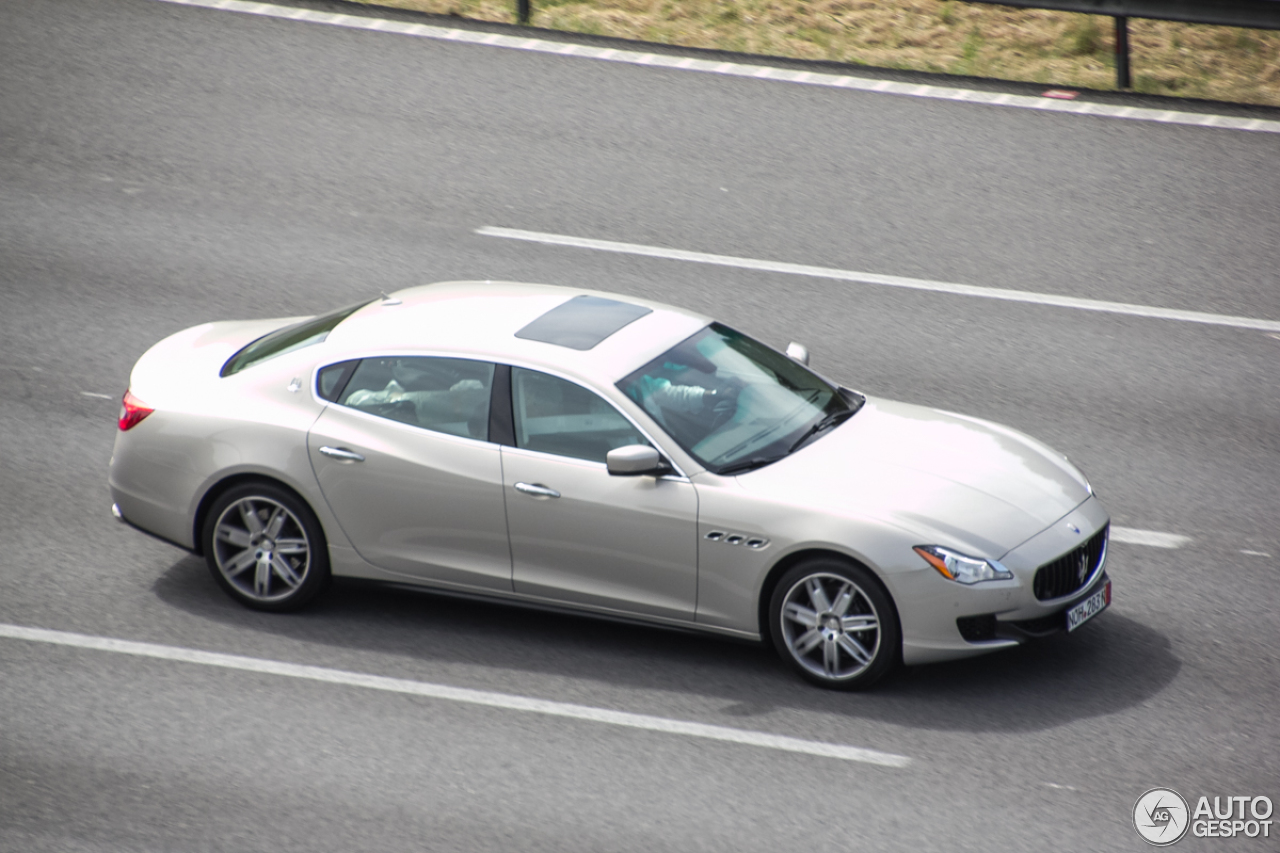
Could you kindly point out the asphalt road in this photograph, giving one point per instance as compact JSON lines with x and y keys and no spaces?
{"x":162,"y":166}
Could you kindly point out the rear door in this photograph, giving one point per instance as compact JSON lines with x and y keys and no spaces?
{"x":404,"y":461}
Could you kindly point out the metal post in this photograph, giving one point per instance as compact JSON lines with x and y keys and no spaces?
{"x":523,"y":12}
{"x":1122,"y":53}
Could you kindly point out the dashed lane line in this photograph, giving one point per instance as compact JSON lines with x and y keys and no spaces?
{"x":504,"y":701}
{"x":1151,"y":538}
{"x":852,"y":276}
{"x":736,"y":69}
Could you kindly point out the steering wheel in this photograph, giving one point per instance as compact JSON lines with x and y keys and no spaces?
{"x":724,"y":408}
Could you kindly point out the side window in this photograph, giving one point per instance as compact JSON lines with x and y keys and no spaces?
{"x":332,"y":379}
{"x":442,"y":394}
{"x":555,"y":416}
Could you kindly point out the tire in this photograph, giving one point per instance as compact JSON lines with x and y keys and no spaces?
{"x":265,"y":547}
{"x":834,"y":624}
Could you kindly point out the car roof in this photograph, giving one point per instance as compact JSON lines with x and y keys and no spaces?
{"x":482,"y":319}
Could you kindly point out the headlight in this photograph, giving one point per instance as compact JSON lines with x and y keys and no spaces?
{"x":957,"y":567}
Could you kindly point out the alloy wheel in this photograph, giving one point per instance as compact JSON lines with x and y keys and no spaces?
{"x":830,"y":627}
{"x":261,"y":549}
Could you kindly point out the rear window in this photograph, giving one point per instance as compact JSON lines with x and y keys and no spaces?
{"x":288,"y":339}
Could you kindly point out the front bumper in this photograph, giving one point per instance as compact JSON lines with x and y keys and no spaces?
{"x":944,"y":621}
{"x":990,"y":627}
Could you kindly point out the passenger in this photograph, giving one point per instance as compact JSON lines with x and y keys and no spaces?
{"x":454,"y":411}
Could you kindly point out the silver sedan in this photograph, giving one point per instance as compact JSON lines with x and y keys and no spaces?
{"x":584,"y":451}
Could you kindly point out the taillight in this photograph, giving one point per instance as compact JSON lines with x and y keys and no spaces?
{"x":132,"y":411}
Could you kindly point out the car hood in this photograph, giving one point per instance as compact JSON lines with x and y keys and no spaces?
{"x":948,"y":479}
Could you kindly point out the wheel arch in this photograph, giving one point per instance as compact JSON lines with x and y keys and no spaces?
{"x":231,"y":481}
{"x":793,"y":559}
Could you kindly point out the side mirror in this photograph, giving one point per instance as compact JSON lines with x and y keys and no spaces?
{"x":634,"y":460}
{"x":798,"y":352}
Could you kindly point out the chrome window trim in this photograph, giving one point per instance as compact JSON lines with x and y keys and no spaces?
{"x":679,"y":476}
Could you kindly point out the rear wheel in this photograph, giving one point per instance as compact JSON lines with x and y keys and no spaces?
{"x":265,"y":547}
{"x":832,"y":623}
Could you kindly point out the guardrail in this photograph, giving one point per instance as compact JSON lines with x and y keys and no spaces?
{"x":1255,"y":14}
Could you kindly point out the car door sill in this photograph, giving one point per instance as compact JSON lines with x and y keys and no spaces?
{"x":530,"y":602}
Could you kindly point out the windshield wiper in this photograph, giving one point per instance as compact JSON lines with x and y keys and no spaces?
{"x":748,"y":464}
{"x":760,"y":461}
{"x":826,"y":423}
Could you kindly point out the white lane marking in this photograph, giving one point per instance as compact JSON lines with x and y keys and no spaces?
{"x":96,"y":394}
{"x":735,"y":69}
{"x":1153,"y":538}
{"x":458,"y":694}
{"x":1254,"y":553}
{"x":883,"y":280}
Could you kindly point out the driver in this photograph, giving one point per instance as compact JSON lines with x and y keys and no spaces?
{"x":659,"y":397}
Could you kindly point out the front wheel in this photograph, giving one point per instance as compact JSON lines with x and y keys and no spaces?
{"x":265,"y":547}
{"x":832,"y":623}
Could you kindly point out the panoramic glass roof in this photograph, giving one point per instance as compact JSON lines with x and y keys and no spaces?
{"x":582,"y":322}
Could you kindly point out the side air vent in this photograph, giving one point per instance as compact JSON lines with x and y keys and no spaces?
{"x":755,"y":543}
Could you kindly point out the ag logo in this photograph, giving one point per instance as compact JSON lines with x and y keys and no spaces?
{"x":1161,"y":816}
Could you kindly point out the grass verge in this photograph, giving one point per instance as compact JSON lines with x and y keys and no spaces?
{"x":946,"y":36}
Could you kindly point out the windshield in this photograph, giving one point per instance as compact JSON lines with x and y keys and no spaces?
{"x":732,"y":402}
{"x":288,"y":339}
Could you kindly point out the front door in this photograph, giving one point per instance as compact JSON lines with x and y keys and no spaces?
{"x":579,"y":535}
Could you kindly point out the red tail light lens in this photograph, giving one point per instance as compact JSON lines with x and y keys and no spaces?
{"x":132,"y":411}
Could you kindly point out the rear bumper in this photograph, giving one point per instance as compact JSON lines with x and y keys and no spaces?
{"x":120,"y":517}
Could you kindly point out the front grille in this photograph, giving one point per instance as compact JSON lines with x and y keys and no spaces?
{"x":1069,"y":572}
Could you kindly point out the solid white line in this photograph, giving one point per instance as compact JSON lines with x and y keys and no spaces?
{"x":1152,"y":538}
{"x":458,"y":694}
{"x":883,"y":280}
{"x":945,"y":93}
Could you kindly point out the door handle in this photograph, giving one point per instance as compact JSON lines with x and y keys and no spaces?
{"x":342,"y":453}
{"x":537,"y":490}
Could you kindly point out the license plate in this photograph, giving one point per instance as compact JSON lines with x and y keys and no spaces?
{"x":1089,"y":608}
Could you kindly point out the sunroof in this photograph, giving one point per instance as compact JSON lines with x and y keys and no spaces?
{"x":582,"y":322}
